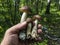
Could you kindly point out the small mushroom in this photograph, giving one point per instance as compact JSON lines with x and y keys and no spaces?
{"x":26,"y":11}
{"x":29,"y":27}
{"x":35,"y":28}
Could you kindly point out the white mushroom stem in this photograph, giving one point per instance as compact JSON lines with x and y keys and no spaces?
{"x":29,"y":30}
{"x":34,"y":30}
{"x":24,"y":17}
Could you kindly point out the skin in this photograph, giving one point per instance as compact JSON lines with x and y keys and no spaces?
{"x":11,"y":35}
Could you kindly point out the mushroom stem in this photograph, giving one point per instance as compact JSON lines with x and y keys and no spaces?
{"x":24,"y":17}
{"x":29,"y":30}
{"x":34,"y":30}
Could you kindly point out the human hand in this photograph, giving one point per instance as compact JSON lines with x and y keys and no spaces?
{"x":11,"y":36}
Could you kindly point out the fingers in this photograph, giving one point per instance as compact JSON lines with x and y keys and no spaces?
{"x":39,"y":31}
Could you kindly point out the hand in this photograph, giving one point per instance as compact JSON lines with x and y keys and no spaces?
{"x":11,"y":36}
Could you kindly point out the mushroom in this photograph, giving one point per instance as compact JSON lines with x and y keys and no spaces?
{"x":34,"y":30}
{"x":26,"y":11}
{"x":29,"y":28}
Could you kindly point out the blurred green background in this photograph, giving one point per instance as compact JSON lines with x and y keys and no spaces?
{"x":49,"y":10}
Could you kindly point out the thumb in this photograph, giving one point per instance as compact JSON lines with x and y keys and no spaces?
{"x":17,"y":28}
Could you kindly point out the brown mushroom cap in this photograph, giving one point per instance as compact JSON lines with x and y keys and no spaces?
{"x":36,"y":17}
{"x":29,"y":20}
{"x":24,"y":9}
